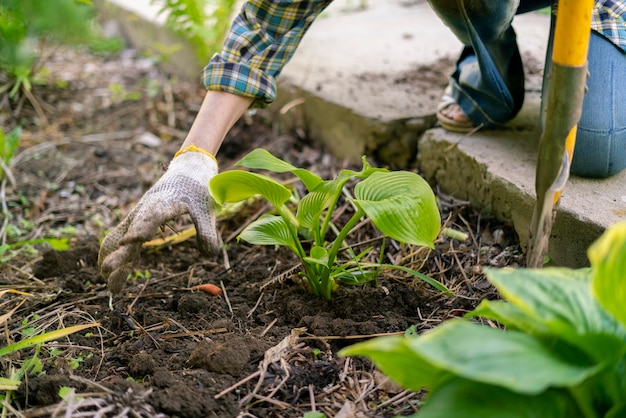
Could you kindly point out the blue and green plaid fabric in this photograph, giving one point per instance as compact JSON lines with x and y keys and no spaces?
{"x":266,"y":33}
{"x":609,"y":19}
{"x":260,"y":42}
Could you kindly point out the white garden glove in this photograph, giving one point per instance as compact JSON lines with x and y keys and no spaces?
{"x":183,"y":188}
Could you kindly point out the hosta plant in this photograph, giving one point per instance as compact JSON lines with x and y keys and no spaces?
{"x":563,"y":353}
{"x":400,"y":204}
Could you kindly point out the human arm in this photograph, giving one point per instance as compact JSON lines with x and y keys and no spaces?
{"x":183,"y":188}
{"x":261,"y":40}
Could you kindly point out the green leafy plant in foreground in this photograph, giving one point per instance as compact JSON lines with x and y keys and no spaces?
{"x":400,"y":204}
{"x":563,"y":355}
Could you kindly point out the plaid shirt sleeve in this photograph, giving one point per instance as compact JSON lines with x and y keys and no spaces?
{"x":261,"y":40}
{"x":609,"y":19}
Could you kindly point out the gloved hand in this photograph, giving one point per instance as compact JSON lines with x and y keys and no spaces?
{"x":183,"y":188}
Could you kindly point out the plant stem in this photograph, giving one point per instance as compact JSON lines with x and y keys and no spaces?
{"x":337,"y":244}
{"x":332,"y":254}
{"x":290,"y":220}
{"x":329,"y":212}
{"x":309,"y":272}
{"x":581,"y":397}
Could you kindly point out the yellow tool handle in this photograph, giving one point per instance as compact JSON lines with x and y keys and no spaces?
{"x":571,"y":35}
{"x":571,"y":44}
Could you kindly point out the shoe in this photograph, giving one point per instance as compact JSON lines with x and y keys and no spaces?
{"x":458,"y":121}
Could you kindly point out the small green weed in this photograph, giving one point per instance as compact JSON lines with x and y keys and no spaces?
{"x":75,"y":362}
{"x":8,"y":146}
{"x":145,"y":275}
{"x":68,"y":394}
{"x":314,"y":414}
{"x":9,"y":251}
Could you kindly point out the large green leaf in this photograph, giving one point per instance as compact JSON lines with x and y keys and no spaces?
{"x":460,"y":398}
{"x":560,"y":300}
{"x":511,"y":359}
{"x":394,"y":357}
{"x":237,"y":185}
{"x":311,"y":207}
{"x":509,"y":315}
{"x":270,"y":230}
{"x":608,"y":265}
{"x":264,"y":160}
{"x":402,"y":205}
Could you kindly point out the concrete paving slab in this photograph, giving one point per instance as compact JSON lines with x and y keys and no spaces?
{"x":495,"y":170}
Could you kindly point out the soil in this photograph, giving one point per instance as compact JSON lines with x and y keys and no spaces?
{"x":266,"y":347}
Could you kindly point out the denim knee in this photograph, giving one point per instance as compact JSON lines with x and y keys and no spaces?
{"x":599,"y":153}
{"x":601,"y":138}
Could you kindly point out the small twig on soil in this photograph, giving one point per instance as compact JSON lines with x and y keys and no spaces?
{"x":181,"y":326}
{"x":36,"y":105}
{"x":230,"y":308}
{"x":279,"y":404}
{"x":129,"y":308}
{"x":170,"y":277}
{"x":364,"y":385}
{"x":401,"y":397}
{"x":469,"y":228}
{"x":40,"y":284}
{"x":136,"y":324}
{"x":194,"y":333}
{"x":352,"y":337}
{"x":256,"y":305}
{"x":12,"y":410}
{"x":461,"y":269}
{"x":226,"y":259}
{"x":312,"y":397}
{"x":236,"y":385}
{"x":267,"y":328}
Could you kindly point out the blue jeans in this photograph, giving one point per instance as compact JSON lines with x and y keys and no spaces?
{"x":488,"y":82}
